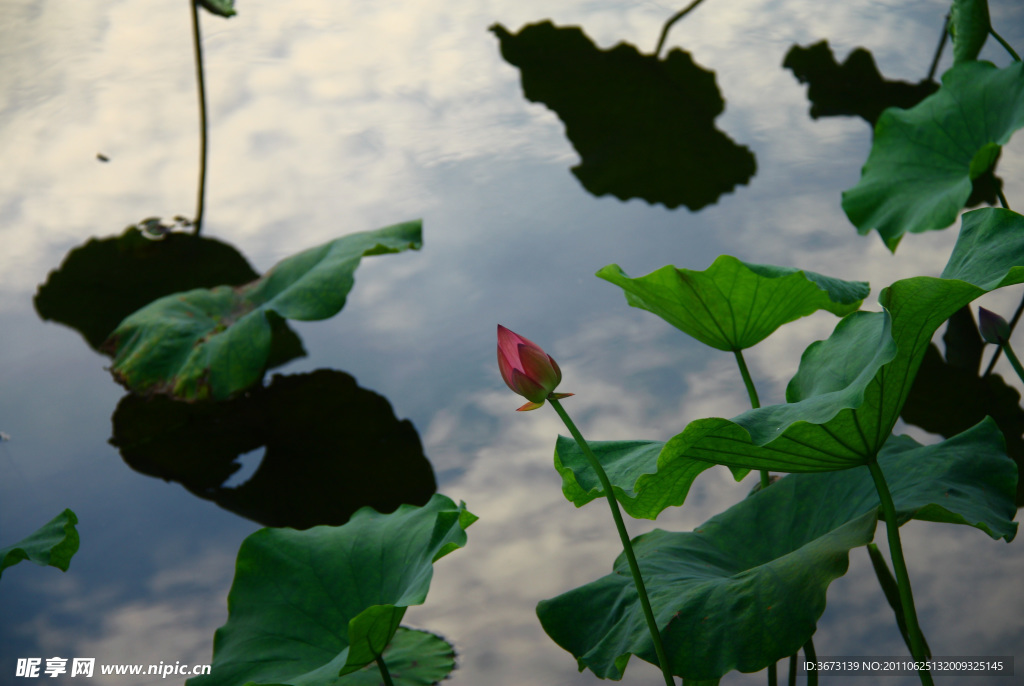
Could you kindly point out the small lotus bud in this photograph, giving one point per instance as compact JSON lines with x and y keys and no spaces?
{"x":994,"y":328}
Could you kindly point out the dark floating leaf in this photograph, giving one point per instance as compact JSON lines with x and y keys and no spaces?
{"x":643,"y":127}
{"x":949,"y":395}
{"x":853,"y":88}
{"x":105,"y":280}
{"x":331,"y":448}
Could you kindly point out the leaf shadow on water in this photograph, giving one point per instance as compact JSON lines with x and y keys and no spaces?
{"x":331,"y":447}
{"x":643,"y":127}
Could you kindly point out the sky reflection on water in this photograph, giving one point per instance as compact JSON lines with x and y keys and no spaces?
{"x":331,"y":119}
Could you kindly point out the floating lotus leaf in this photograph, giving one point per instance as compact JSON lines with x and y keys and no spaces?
{"x":309,"y":606}
{"x":923,"y":160}
{"x":733,"y":305}
{"x":212,"y":343}
{"x":53,"y":544}
{"x":747,"y":587}
{"x":643,"y":127}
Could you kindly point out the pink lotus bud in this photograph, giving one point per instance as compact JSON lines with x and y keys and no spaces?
{"x":994,"y":328}
{"x":528,"y":370}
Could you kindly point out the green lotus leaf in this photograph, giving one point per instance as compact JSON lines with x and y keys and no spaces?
{"x":922,"y":161}
{"x":850,"y":389}
{"x":413,"y":658}
{"x":629,"y":465}
{"x":747,"y":587}
{"x":968,"y":27}
{"x":222,"y":8}
{"x":644,"y":127}
{"x":53,"y":544}
{"x":309,"y":606}
{"x":733,"y":305}
{"x":213,"y":343}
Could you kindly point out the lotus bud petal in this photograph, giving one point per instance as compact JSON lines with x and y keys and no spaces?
{"x":527,"y":369}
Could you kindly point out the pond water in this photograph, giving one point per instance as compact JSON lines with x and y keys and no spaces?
{"x":326,"y":119}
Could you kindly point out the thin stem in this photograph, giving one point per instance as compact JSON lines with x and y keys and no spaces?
{"x":1015,"y":56}
{"x":201,"y":85}
{"x":747,"y":381}
{"x":754,"y":401}
{"x":773,"y":675}
{"x":1020,"y":308}
{"x":792,"y":670}
{"x":384,"y":674}
{"x":627,"y":547}
{"x":891,"y":591}
{"x":1013,"y":360}
{"x":1002,"y":199}
{"x":812,"y":656}
{"x":938,"y":49}
{"x":999,"y":348}
{"x":672,"y":20}
{"x":900,"y":567}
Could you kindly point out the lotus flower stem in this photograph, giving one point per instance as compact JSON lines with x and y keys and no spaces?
{"x":754,"y":401}
{"x":384,"y":673}
{"x":197,"y":47}
{"x":900,"y":567}
{"x":627,"y":547}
